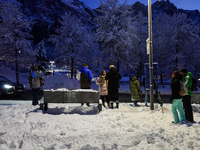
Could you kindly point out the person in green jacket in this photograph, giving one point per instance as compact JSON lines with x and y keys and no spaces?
{"x":135,"y":90}
{"x":187,"y":78}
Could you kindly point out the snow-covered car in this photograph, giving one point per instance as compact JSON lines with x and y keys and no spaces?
{"x":8,"y":87}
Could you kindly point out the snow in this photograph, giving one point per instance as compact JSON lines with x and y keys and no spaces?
{"x":71,"y":126}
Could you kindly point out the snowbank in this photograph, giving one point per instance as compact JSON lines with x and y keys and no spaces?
{"x":75,"y":127}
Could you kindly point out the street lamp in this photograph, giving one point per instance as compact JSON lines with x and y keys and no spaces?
{"x":149,"y":51}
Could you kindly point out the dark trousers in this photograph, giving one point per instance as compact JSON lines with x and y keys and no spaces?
{"x":188,"y":108}
{"x":104,"y":97}
{"x":35,"y":96}
{"x":88,"y":104}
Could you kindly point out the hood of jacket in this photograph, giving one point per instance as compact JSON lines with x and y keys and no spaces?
{"x":113,"y":71}
{"x":86,"y":71}
{"x":134,"y":78}
{"x":189,"y":74}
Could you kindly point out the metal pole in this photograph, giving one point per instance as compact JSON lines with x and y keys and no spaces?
{"x":150,"y":55}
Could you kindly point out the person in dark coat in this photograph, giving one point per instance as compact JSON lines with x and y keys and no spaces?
{"x":113,"y":78}
{"x":85,"y":78}
{"x":176,"y":98}
{"x":35,"y":91}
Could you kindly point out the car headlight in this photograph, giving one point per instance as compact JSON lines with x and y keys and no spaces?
{"x":8,"y":86}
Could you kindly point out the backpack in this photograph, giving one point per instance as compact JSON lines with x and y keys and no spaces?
{"x":35,"y":83}
{"x":194,"y":84}
{"x":183,"y":89}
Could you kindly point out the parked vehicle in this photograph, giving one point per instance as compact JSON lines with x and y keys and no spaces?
{"x":198,"y":83}
{"x":8,"y":87}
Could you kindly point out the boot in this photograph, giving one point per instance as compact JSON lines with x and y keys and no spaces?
{"x":111,"y":103}
{"x":104,"y":105}
{"x":117,"y":104}
{"x":108,"y":104}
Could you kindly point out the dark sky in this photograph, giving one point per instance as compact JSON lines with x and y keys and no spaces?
{"x":184,"y":4}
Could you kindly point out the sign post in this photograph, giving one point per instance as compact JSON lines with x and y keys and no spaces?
{"x":149,"y":50}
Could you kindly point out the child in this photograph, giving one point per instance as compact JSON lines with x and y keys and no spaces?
{"x":103,"y":88}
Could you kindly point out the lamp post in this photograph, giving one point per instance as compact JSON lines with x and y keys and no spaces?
{"x":149,"y":51}
{"x":52,"y":65}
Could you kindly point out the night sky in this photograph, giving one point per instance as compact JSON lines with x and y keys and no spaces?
{"x":184,"y":4}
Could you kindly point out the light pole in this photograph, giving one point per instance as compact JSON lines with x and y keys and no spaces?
{"x":149,"y":49}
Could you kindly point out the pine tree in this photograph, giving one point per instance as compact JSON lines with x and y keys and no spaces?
{"x":14,"y":36}
{"x":41,"y":57}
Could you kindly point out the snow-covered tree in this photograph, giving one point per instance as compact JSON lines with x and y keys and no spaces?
{"x":113,"y":33}
{"x":15,"y":44}
{"x":139,"y":34}
{"x":73,"y":43}
{"x":176,"y":41}
{"x":41,"y":57}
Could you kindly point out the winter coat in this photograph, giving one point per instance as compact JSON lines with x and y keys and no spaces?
{"x":85,"y":78}
{"x":135,"y":89}
{"x":103,"y":85}
{"x":187,"y":78}
{"x":175,"y":87}
{"x":34,"y":74}
{"x":113,"y":78}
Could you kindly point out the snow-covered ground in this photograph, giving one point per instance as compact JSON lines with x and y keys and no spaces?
{"x":75,"y":127}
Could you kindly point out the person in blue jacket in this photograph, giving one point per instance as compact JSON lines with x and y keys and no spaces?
{"x":85,"y":78}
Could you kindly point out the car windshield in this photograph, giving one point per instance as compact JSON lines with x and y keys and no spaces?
{"x":3,"y":79}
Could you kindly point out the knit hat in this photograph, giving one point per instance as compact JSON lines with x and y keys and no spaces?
{"x":34,"y":68}
{"x":175,"y":72}
{"x":111,"y":66}
{"x":184,"y":70}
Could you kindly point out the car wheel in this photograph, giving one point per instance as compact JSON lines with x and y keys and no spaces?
{"x":1,"y":94}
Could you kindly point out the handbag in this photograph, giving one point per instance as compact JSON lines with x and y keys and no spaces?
{"x":183,"y":90}
{"x":41,"y":82}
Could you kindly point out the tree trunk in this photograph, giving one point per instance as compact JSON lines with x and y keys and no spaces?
{"x":140,"y":73}
{"x":161,"y":78}
{"x":16,"y":67}
{"x":118,"y":66}
{"x":176,"y":60}
{"x":72,"y":67}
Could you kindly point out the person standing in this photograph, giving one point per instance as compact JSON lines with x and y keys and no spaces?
{"x":35,"y":84}
{"x":135,"y":90}
{"x":176,"y":98}
{"x":103,"y":88}
{"x":85,"y":78}
{"x":146,"y":91}
{"x":113,"y":78}
{"x":187,"y":79}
